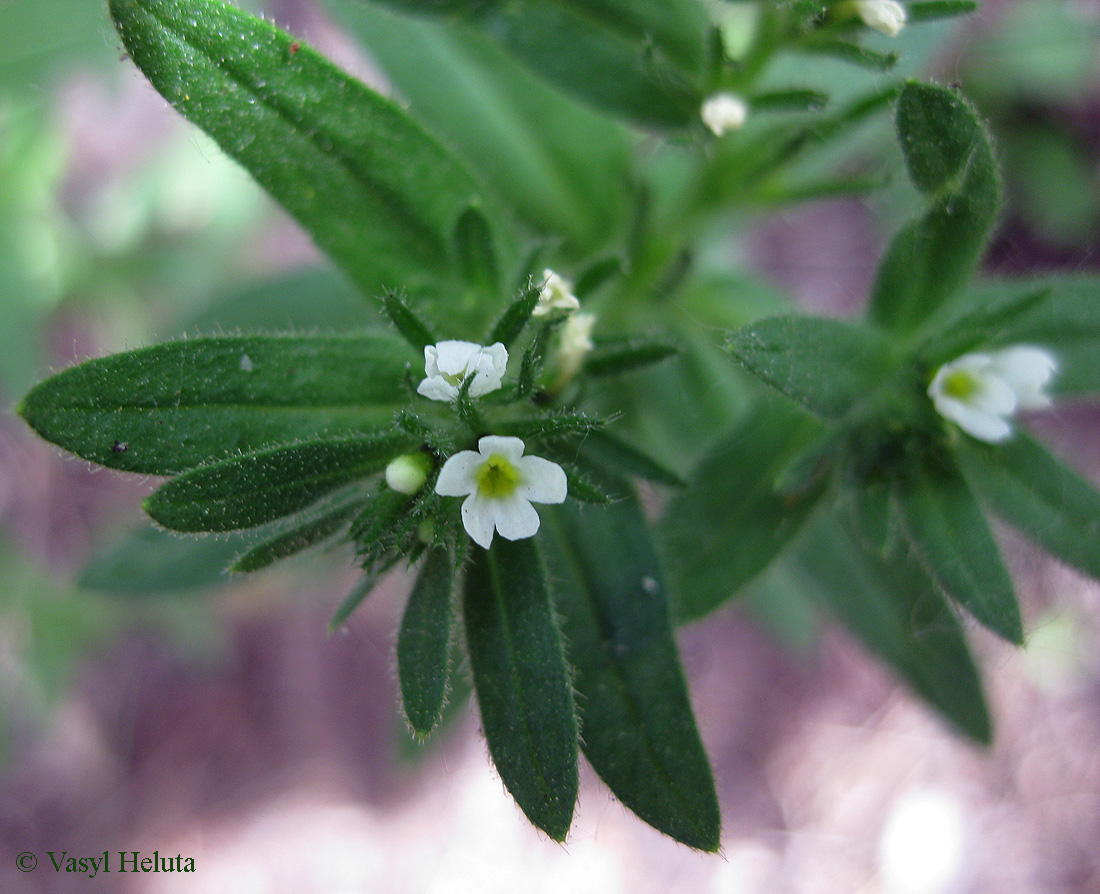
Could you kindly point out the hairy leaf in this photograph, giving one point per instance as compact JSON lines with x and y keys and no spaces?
{"x":826,"y":365}
{"x":168,"y":408}
{"x":374,"y":190}
{"x":522,"y":681}
{"x":250,"y":490}
{"x":637,"y":726}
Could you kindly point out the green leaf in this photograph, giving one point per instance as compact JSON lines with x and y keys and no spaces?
{"x":250,"y":490}
{"x":613,"y":357}
{"x":1066,"y":321}
{"x":950,"y":532}
{"x":298,"y":538}
{"x":949,"y":158}
{"x":939,"y":135}
{"x":424,"y":640}
{"x":355,"y":598}
{"x":928,"y":10}
{"x":732,"y":520}
{"x":1035,"y":492}
{"x":515,"y":318}
{"x":622,"y":458}
{"x":149,"y":561}
{"x":411,"y":327}
{"x":637,"y":726}
{"x":168,"y":408}
{"x":476,"y":255}
{"x":374,"y":190}
{"x":522,"y":681}
{"x":883,"y":596}
{"x":634,"y":57}
{"x":826,"y":365}
{"x":562,"y":168}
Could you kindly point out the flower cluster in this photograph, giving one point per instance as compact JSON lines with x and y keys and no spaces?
{"x":498,"y":481}
{"x":980,"y":392}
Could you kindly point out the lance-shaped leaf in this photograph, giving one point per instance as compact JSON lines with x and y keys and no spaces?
{"x":640,"y":58}
{"x":732,"y":520}
{"x":423,"y":643}
{"x":170,"y":407}
{"x":825,"y":365}
{"x":374,"y":190}
{"x":150,"y":562}
{"x":251,"y":490}
{"x":884,"y":597}
{"x":952,"y":537}
{"x":561,"y":167}
{"x":522,"y":682}
{"x":1064,"y":318}
{"x":1035,"y":492}
{"x":323,"y":526}
{"x":950,"y":160}
{"x":637,"y":726}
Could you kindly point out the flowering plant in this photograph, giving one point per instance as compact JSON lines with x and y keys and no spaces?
{"x":548,"y":337}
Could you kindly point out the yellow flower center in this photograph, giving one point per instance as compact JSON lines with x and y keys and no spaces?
{"x":960,"y":385}
{"x":497,"y":477}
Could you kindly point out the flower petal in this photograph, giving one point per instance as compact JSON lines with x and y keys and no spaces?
{"x":542,"y":481}
{"x":437,"y":388}
{"x":1027,"y":370}
{"x":453,"y":357}
{"x":479,"y":519}
{"x":510,"y":448}
{"x":458,"y":478}
{"x":516,"y":518}
{"x":985,"y":427}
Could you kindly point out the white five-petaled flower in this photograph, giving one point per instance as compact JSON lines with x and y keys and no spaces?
{"x":556,"y":294}
{"x":887,"y":16}
{"x":500,"y":484}
{"x":981,"y":392}
{"x":724,"y":112}
{"x":450,"y":363}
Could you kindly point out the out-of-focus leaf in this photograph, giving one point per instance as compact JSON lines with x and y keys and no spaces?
{"x":151,"y":562}
{"x":1035,"y":492}
{"x":824,"y":364}
{"x":170,"y":407}
{"x":950,"y":160}
{"x":1066,"y":321}
{"x":522,"y":681}
{"x":561,"y":167}
{"x":884,"y":597}
{"x":637,"y":727}
{"x":299,"y":537}
{"x":732,"y":520}
{"x":640,"y":58}
{"x":423,"y":643}
{"x":953,"y":539}
{"x":374,"y":190}
{"x":251,"y":490}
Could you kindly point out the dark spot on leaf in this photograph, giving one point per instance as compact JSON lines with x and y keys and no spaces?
{"x":119,"y":447}
{"x":294,"y":47}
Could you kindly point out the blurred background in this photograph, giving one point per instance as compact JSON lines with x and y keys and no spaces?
{"x":146,"y":704}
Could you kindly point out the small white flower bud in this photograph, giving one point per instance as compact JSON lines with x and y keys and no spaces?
{"x":724,"y":112}
{"x":886,"y":16}
{"x":407,"y":473}
{"x":556,"y":294}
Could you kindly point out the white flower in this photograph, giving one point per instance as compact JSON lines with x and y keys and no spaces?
{"x":981,"y":392}
{"x":500,"y":484}
{"x":556,"y":294}
{"x":407,"y":473}
{"x":576,"y":342}
{"x":724,"y":112}
{"x":886,"y":16}
{"x":448,"y":364}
